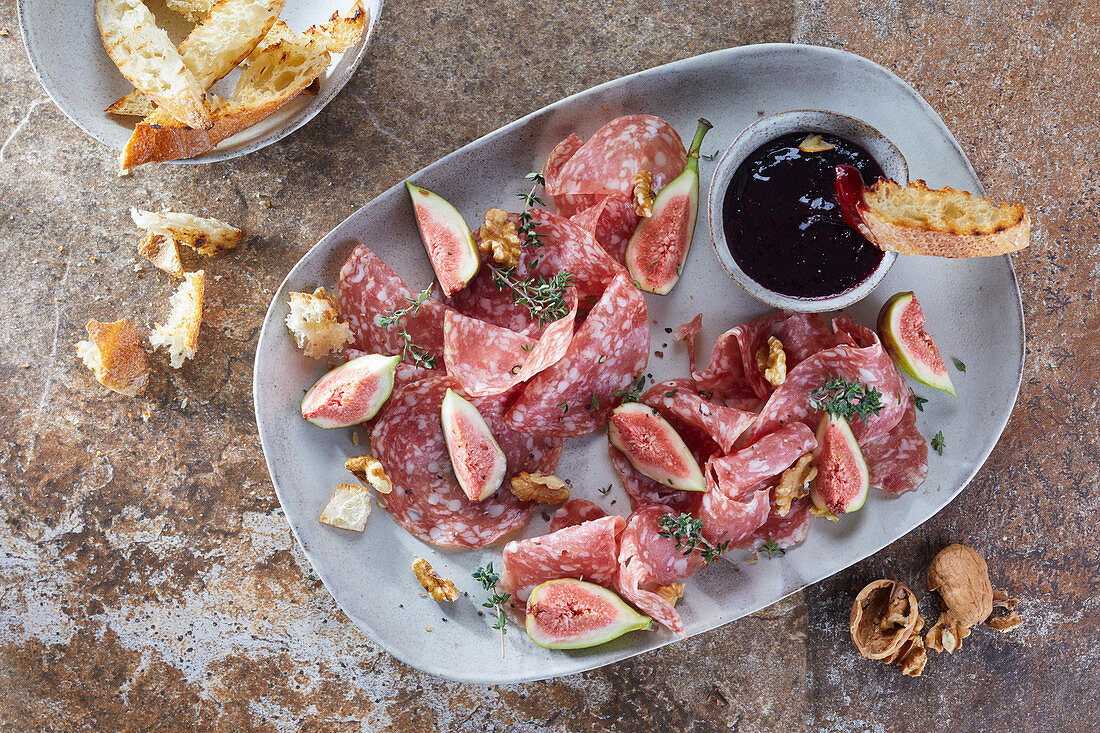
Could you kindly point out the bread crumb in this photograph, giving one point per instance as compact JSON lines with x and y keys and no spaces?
{"x":348,"y":508}
{"x":181,"y":334}
{"x":115,"y":354}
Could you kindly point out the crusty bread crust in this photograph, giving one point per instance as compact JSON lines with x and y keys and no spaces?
{"x":215,"y":47}
{"x":149,"y":60}
{"x":162,"y":252}
{"x":917,"y":220}
{"x":283,"y":66}
{"x":204,"y":235}
{"x":116,"y":356}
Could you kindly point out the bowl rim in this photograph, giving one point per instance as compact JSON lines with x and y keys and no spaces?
{"x":891,"y":160}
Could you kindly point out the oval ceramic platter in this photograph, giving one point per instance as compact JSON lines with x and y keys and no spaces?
{"x":64,"y":47}
{"x":973,"y":309}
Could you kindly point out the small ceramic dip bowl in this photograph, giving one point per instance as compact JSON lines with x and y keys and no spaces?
{"x":815,"y":219}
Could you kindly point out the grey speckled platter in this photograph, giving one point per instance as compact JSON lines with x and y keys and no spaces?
{"x":369,"y":574}
{"x":64,"y":47}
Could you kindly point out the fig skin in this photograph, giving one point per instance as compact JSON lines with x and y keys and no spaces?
{"x":573,"y":598}
{"x":368,"y":366}
{"x":456,"y":412}
{"x":822,"y":493}
{"x":456,"y":269}
{"x":929,"y":370}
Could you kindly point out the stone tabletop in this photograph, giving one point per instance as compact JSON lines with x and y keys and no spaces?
{"x":148,"y":579}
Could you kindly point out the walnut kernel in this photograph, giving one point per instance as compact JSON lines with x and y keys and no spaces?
{"x":643,"y":194}
{"x":438,"y":588}
{"x":499,"y":238}
{"x":671,"y":592}
{"x":794,"y":484}
{"x":369,"y":470}
{"x":542,"y":488}
{"x":947,"y":635}
{"x":814,"y":144}
{"x":772,"y":361}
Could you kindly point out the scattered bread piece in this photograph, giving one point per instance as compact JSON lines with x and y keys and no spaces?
{"x":348,"y":508}
{"x":114,"y":352}
{"x":282,"y":66}
{"x":204,"y":235}
{"x":226,"y":35}
{"x":181,"y":334}
{"x":162,"y":252}
{"x":312,"y":320}
{"x":148,"y":58}
{"x":917,"y":220}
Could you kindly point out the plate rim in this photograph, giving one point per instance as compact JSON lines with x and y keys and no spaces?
{"x":290,"y":126}
{"x":330,"y":241}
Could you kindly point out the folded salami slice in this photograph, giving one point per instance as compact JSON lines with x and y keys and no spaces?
{"x":609,"y":160}
{"x":610,"y":222}
{"x":426,"y":498}
{"x":588,"y":551}
{"x":565,"y":246}
{"x":368,"y":289}
{"x":647,"y":560}
{"x":680,"y":399}
{"x":575,"y":511}
{"x":567,"y":204}
{"x":738,"y":498}
{"x":786,"y":531}
{"x":576,"y":395}
{"x":860,"y":358}
{"x":644,"y":491}
{"x":898,"y":461}
{"x":488,"y":360}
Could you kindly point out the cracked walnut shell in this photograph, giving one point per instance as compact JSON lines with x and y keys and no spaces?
{"x":438,"y":588}
{"x":961,"y":577}
{"x":542,"y":488}
{"x":884,"y":616}
{"x":499,"y":239}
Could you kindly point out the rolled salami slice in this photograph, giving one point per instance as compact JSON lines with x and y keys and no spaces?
{"x":898,"y":461}
{"x":368,"y":289}
{"x":426,"y":498}
{"x":588,"y":550}
{"x":576,"y":395}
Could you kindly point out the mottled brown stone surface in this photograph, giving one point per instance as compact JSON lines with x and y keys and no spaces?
{"x":148,"y":578}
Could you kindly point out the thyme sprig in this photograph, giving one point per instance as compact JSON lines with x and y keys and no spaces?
{"x":687,"y":531}
{"x":527,"y":221}
{"x":634,"y":392}
{"x":938,"y":442}
{"x":543,"y":297}
{"x":773,"y":549}
{"x":489,"y":579}
{"x":918,"y":401}
{"x":410,"y":352}
{"x":841,"y":398}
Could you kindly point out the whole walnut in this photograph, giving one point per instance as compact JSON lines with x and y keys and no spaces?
{"x":961,"y":577}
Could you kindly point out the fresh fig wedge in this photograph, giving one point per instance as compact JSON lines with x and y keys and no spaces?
{"x":842,"y":477}
{"x":351,"y":393}
{"x":901,"y":328}
{"x":478,"y":461}
{"x":447,"y":238}
{"x":654,"y":447}
{"x":659,"y":247}
{"x":574,"y":614}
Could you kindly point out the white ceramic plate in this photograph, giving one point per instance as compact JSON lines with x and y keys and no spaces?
{"x":973,"y":309}
{"x":63,"y":44}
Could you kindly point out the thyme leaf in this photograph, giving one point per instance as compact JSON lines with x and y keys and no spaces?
{"x":687,"y":531}
{"x":938,"y":442}
{"x":841,"y":398}
{"x":411,"y":352}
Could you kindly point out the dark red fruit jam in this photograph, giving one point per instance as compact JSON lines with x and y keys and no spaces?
{"x":783,"y":225}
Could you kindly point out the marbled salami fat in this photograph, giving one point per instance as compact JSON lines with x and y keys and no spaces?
{"x":588,"y":551}
{"x":426,"y":498}
{"x":610,"y":222}
{"x":576,"y":395}
{"x":575,"y":511}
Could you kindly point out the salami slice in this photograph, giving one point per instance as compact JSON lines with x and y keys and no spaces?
{"x":575,"y":511}
{"x":678,"y":398}
{"x":608,"y":161}
{"x":647,"y":560}
{"x":610,"y":222}
{"x":427,"y":499}
{"x":567,"y":204}
{"x":487,"y":359}
{"x":898,"y":461}
{"x":688,"y":333}
{"x":368,"y":288}
{"x":784,"y":531}
{"x":738,"y":501}
{"x":586,"y":551}
{"x":565,"y":246}
{"x":861,"y":359}
{"x":576,"y":395}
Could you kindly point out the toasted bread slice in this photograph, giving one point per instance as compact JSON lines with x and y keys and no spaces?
{"x":278,"y":69}
{"x":917,"y":220}
{"x":114,"y":352}
{"x":313,"y":321}
{"x":148,"y":58}
{"x":193,"y":10}
{"x":181,"y":334}
{"x":204,"y":235}
{"x":348,"y":508}
{"x":214,"y":48}
{"x":162,"y":252}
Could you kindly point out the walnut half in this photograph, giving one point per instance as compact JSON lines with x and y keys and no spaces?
{"x":439,"y":588}
{"x":794,"y":484}
{"x":772,"y":361}
{"x":499,"y":239}
{"x":671,"y":592}
{"x":885,"y":624}
{"x":643,"y":194}
{"x":369,"y":470}
{"x":542,"y":488}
